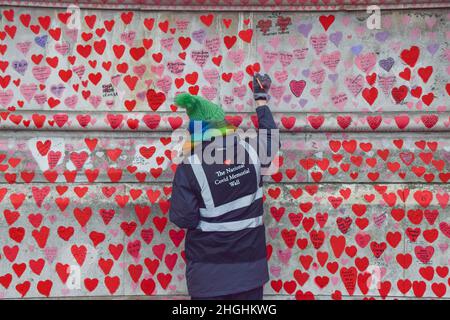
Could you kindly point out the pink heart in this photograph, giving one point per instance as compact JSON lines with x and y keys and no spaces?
{"x":211,"y":75}
{"x":331,"y":60}
{"x":297,"y":87}
{"x":275,"y":271}
{"x":128,"y":37}
{"x":62,"y":48}
{"x":140,"y":70}
{"x":387,"y":22}
{"x":274,"y":42}
{"x":238,"y":76}
{"x":24,"y":47}
{"x":362,"y":239}
{"x":366,"y":62}
{"x":443,"y":247}
{"x":281,"y":76}
{"x":237,"y":57}
{"x":158,"y":69}
{"x":41,"y":73}
{"x":346,"y":20}
{"x":319,"y":42}
{"x":445,"y":228}
{"x":239,"y":107}
{"x":6,"y":97}
{"x":273,"y":232}
{"x":387,"y":258}
{"x":268,"y":59}
{"x":284,"y":255}
{"x":406,"y":19}
{"x":28,"y":91}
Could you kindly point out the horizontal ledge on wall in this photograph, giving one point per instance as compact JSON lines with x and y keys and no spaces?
{"x":268,"y":183}
{"x":230,"y":5}
{"x":140,"y":157}
{"x":170,"y":121}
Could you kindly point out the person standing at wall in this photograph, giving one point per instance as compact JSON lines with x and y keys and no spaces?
{"x":220,"y":202}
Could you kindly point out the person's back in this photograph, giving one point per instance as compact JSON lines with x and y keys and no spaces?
{"x":217,"y":195}
{"x":229,"y":240}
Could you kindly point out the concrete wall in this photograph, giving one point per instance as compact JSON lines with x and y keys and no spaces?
{"x":86,"y":119}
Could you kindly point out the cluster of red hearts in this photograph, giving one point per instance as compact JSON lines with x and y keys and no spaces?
{"x":93,"y":67}
{"x":117,"y":246}
{"x":371,"y":160}
{"x":110,"y":160}
{"x":137,"y":121}
{"x":342,"y":160}
{"x":124,"y":244}
{"x":346,"y":160}
{"x":323,"y":239}
{"x":353,"y":228}
{"x":393,"y":224}
{"x":78,"y":69}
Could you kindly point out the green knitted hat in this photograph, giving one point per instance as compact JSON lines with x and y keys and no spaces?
{"x":199,"y":108}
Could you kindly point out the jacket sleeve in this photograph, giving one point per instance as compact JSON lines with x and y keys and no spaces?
{"x":268,"y":139}
{"x":184,"y":205}
{"x":265,"y":118}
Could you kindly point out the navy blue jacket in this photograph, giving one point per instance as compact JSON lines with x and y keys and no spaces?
{"x":221,"y":205}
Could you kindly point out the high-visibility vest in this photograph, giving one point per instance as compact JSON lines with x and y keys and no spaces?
{"x":211,"y":210}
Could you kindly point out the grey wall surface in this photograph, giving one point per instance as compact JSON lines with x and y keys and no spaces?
{"x":86,"y":117}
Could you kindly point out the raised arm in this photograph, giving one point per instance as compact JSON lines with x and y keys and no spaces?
{"x":268,"y":133}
